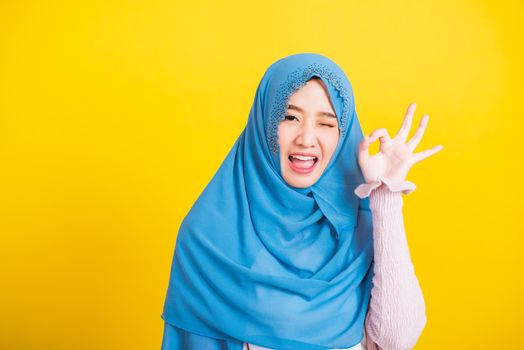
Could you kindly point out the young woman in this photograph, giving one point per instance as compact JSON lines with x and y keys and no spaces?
{"x":298,"y":242}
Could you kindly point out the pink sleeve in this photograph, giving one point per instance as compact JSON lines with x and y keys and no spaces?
{"x":397,"y":313}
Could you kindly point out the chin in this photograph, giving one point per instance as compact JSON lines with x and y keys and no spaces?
{"x":301,"y":182}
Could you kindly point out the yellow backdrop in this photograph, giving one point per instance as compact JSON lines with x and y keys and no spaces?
{"x":114,"y":115}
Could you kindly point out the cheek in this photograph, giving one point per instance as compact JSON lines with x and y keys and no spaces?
{"x":330,"y":142}
{"x":284,"y":136}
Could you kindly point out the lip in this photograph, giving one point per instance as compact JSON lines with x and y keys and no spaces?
{"x":304,"y":154}
{"x":302,"y":170}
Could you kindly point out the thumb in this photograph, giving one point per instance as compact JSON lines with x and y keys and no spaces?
{"x":363,"y":148}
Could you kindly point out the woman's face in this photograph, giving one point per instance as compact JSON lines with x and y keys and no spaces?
{"x":310,"y":132}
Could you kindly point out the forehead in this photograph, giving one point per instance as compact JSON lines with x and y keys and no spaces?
{"x":313,"y":96}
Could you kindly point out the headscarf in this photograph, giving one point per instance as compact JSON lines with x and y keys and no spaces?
{"x":257,"y":260}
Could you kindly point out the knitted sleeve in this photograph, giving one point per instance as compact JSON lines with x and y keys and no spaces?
{"x":396,"y":314}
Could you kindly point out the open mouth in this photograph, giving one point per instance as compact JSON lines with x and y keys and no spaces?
{"x":302,"y":164}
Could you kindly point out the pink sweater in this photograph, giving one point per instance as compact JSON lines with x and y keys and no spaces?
{"x":397,"y":313}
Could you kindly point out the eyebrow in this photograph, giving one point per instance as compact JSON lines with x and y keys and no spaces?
{"x":320,"y":114}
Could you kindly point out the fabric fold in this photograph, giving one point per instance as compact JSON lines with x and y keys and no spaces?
{"x":404,"y":186}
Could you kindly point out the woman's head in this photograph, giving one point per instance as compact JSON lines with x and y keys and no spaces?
{"x":308,"y":134}
{"x":292,"y":106}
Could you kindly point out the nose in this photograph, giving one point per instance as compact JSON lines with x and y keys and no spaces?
{"x":306,"y":136}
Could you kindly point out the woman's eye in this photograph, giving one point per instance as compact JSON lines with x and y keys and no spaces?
{"x":291,"y":117}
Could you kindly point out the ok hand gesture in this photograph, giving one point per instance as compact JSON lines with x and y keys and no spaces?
{"x":396,"y":155}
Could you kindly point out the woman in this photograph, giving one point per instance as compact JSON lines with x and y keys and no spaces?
{"x":283,"y":249}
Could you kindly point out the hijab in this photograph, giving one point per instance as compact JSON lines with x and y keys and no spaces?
{"x":259,"y":261}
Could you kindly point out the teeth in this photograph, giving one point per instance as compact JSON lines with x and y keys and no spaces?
{"x":303,"y":157}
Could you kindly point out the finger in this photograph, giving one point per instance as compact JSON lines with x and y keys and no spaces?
{"x":381,"y":134}
{"x":417,"y":137}
{"x":363,"y":148}
{"x":403,"y":132}
{"x":417,"y":157}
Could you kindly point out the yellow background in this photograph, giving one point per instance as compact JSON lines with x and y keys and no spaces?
{"x":114,"y":115}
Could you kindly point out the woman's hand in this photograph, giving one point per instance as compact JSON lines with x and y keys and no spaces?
{"x":396,"y":155}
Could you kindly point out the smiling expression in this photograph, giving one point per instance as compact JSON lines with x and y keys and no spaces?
{"x":307,"y":135}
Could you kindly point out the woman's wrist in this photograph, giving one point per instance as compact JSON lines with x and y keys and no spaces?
{"x":403,"y":186}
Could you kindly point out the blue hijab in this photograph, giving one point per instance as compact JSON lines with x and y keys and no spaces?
{"x":257,"y":260}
